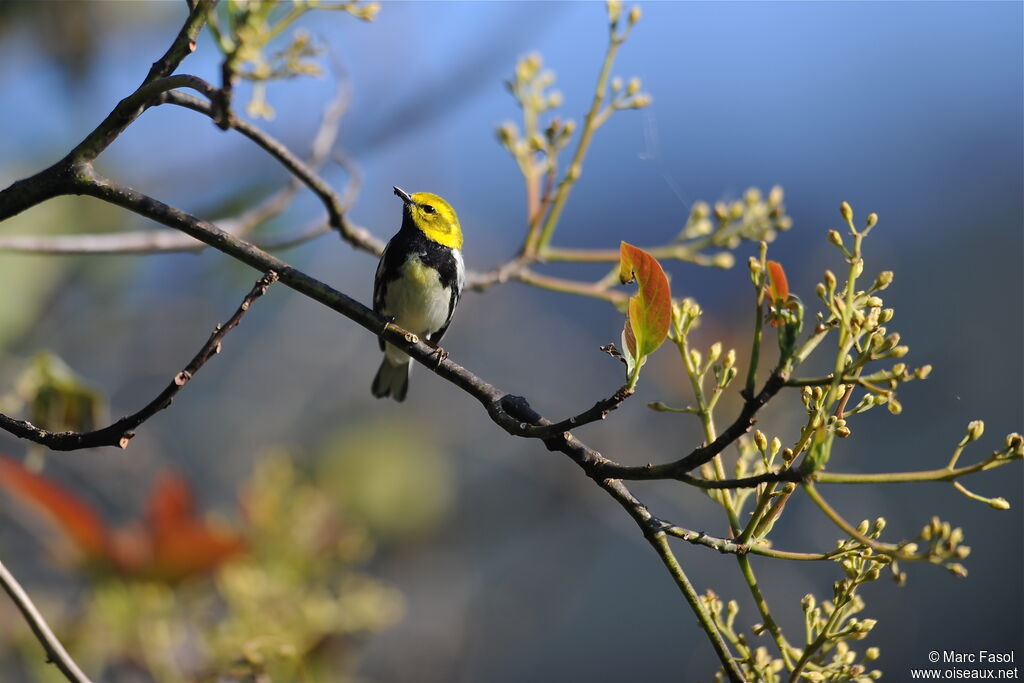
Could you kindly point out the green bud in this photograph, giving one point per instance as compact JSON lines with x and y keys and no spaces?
{"x":886,"y":315}
{"x":874,"y":302}
{"x":808,"y":602}
{"x":883,"y":280}
{"x":760,"y":440}
{"x":999,"y":504}
{"x":634,"y":15}
{"x":820,"y":291}
{"x":1014,"y":441}
{"x":695,"y":358}
{"x":752,"y":196}
{"x":614,"y":8}
{"x":846,"y":211}
{"x":835,"y":238}
{"x":723,"y":260}
{"x":721,"y":211}
{"x":975,"y":429}
{"x":775,"y":196}
{"x":640,"y":101}
{"x":776,"y":446}
{"x":715,"y":352}
{"x":957,"y":569}
{"x":900,"y":351}
{"x":843,"y":432}
{"x":730,"y":358}
{"x":616,"y":84}
{"x":872,"y":220}
{"x":507,"y":133}
{"x":755,"y":269}
{"x":923,"y":372}
{"x":863,"y":527}
{"x":895,"y":407}
{"x":633,"y":87}
{"x":736,"y":210}
{"x":555,"y":99}
{"x":871,"y":654}
{"x":899,"y":369}
{"x":830,"y":280}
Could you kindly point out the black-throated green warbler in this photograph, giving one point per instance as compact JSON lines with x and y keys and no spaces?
{"x":418,"y":283}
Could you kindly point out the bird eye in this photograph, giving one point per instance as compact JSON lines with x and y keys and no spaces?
{"x":427,"y":208}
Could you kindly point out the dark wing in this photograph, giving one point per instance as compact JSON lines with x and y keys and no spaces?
{"x":380,"y":287}
{"x":458,"y":281}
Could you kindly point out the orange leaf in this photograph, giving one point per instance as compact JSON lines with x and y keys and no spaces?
{"x":170,"y":504}
{"x":74,"y":517}
{"x":195,"y":547}
{"x":183,"y":544}
{"x":650,"y":311}
{"x":778,"y":287}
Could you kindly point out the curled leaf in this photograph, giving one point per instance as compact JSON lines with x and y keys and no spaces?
{"x":778,"y":286}
{"x":649,"y":313}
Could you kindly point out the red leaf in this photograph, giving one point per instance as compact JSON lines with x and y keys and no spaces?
{"x":778,"y":287}
{"x":195,"y":547}
{"x":170,"y":504}
{"x":74,"y":517}
{"x":183,"y":544}
{"x":650,"y":311}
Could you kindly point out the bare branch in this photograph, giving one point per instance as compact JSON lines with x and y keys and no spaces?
{"x":359,"y":237}
{"x":121,"y":432}
{"x":702,"y":454}
{"x":598,"y":411}
{"x":185,"y":42}
{"x":159,"y":241}
{"x":55,"y":652}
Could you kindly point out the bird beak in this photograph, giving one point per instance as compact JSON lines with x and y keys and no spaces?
{"x":403,"y":195}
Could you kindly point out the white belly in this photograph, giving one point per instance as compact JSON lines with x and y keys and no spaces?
{"x":417,"y":300}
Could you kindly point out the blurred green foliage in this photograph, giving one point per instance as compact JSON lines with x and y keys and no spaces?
{"x":292,"y":607}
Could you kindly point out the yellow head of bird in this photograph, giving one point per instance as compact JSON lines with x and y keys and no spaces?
{"x":432,"y":216}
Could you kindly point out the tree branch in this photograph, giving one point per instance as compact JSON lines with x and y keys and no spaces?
{"x":358,"y":237}
{"x":55,"y":652}
{"x":161,"y":241}
{"x":702,"y":454}
{"x":121,"y":432}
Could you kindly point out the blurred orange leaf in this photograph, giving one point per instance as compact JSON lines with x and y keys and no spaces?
{"x":173,"y":542}
{"x":650,"y":311}
{"x":77,"y":519}
{"x":170,"y":503}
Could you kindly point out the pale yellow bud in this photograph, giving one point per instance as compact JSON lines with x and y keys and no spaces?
{"x":846,"y":211}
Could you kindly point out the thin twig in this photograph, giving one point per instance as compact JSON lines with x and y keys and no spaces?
{"x":595,"y":413}
{"x":121,"y":432}
{"x":359,"y":237}
{"x":55,"y":652}
{"x":160,"y":241}
{"x":702,"y":454}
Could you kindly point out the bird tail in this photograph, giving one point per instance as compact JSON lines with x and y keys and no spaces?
{"x":392,"y":379}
